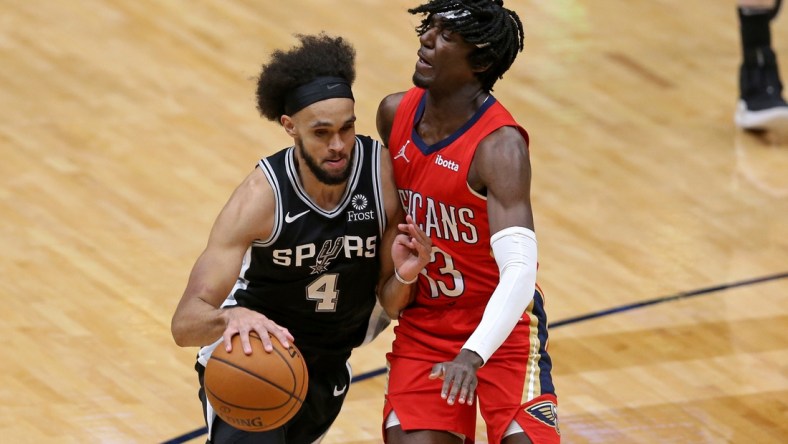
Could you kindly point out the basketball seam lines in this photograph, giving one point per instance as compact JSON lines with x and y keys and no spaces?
{"x":273,"y":384}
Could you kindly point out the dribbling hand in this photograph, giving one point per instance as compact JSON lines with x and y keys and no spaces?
{"x":242,"y":321}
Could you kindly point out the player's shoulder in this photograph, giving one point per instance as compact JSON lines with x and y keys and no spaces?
{"x":249,"y":212}
{"x":392,"y":100}
{"x":389,"y":105}
{"x":255,"y":189}
{"x":502,"y":123}
{"x":506,"y":133}
{"x":501,"y":144}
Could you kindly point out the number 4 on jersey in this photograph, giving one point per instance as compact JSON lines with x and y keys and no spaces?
{"x":324,"y":291}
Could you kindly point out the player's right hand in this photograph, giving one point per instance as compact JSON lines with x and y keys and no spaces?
{"x":242,"y":321}
{"x":459,"y":377}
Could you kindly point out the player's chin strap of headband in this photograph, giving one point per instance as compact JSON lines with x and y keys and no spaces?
{"x":319,"y":89}
{"x":515,"y":253}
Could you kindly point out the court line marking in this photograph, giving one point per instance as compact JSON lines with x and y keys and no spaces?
{"x":573,"y":320}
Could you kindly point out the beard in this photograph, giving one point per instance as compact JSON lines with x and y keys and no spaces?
{"x":322,"y":175}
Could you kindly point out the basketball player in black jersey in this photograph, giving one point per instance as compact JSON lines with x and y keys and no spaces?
{"x":305,"y":242}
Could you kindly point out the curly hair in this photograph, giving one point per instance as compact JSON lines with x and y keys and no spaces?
{"x":496,"y":32}
{"x":316,"y":56}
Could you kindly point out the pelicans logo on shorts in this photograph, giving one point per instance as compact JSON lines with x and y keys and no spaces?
{"x":545,"y":412}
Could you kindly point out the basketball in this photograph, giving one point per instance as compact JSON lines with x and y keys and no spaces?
{"x":256,"y":392}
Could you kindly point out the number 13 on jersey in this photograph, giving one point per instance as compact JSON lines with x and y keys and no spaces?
{"x":447,"y":273}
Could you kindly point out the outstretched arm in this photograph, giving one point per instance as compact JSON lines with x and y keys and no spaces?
{"x":502,"y":168}
{"x":405,"y":249}
{"x":198,"y":320}
{"x":505,"y":172}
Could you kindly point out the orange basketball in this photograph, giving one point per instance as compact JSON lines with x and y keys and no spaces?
{"x":256,"y":392}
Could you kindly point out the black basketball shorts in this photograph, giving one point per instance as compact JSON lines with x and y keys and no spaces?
{"x":329,"y":382}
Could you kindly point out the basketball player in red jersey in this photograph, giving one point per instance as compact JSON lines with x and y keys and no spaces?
{"x":477,"y":328}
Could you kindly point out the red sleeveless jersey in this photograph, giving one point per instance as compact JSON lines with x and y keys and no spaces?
{"x":432,"y":183}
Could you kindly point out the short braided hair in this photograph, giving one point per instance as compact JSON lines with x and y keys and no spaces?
{"x":496,"y":31}
{"x":317,"y":56}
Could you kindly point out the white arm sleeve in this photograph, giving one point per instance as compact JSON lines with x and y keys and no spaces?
{"x":515,"y":253}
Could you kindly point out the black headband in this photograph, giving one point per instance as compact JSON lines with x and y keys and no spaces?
{"x":321,"y":88}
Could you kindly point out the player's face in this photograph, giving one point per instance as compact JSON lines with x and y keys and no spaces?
{"x":325,"y":134}
{"x":443,"y":58}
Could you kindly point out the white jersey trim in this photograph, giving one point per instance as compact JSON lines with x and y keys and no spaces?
{"x":277,"y":228}
{"x":377,"y":185}
{"x":355,"y":175}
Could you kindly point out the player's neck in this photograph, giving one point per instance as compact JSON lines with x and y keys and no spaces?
{"x":456,"y":100}
{"x":446,"y":113}
{"x":324,"y":196}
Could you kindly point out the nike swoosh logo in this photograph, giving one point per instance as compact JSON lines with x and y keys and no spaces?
{"x":332,"y":86}
{"x":290,"y":219}
{"x":339,"y":392}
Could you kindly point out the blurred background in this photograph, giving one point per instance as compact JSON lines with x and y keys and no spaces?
{"x":125,"y":125}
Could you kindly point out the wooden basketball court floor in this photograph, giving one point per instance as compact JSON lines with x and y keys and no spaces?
{"x":125,"y":125}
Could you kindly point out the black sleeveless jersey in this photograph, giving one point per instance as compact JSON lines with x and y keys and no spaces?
{"x":317,"y":272}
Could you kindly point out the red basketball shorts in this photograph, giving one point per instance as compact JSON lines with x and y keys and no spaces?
{"x":417,"y":402}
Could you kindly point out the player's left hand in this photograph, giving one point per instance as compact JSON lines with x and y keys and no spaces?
{"x":459,"y":377}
